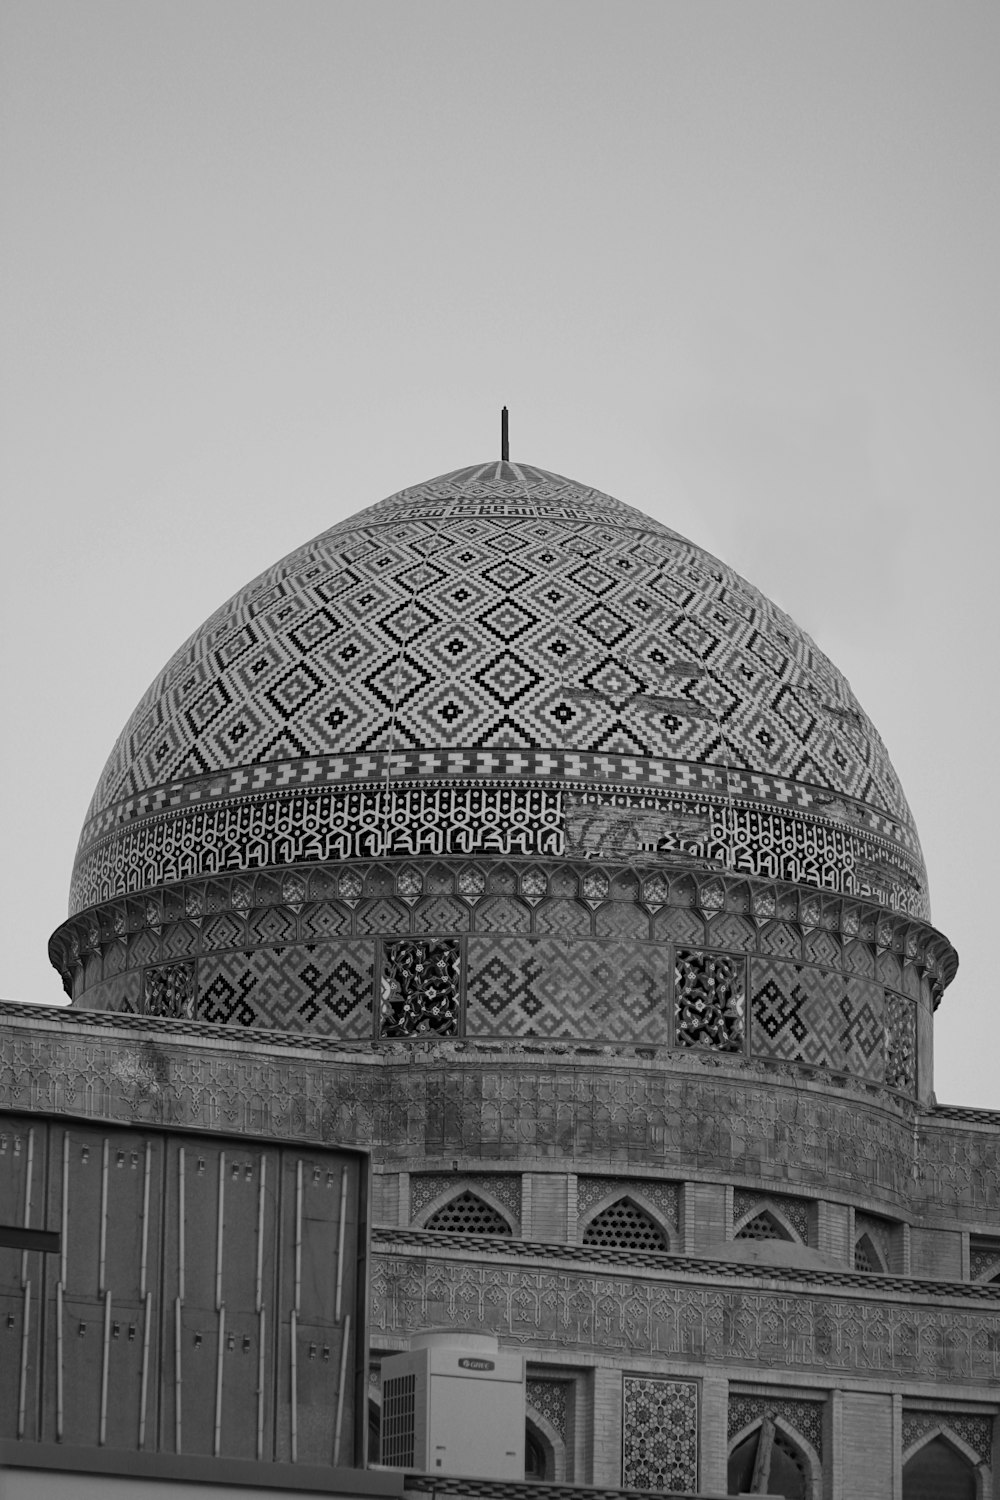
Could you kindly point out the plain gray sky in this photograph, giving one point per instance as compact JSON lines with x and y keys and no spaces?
{"x":266,"y":261}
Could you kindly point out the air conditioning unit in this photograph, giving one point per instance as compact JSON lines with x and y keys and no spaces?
{"x":454,"y":1404}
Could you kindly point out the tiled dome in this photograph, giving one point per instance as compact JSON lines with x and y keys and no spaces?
{"x":566,"y":675}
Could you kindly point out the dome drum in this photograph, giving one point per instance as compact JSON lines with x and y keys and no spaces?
{"x":619,"y":956}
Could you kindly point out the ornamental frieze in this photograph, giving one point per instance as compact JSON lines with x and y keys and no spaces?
{"x":634,"y":1315}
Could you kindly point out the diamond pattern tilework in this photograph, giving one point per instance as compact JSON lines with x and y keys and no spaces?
{"x":811,"y":1015}
{"x":317,"y":988}
{"x":551,"y":987}
{"x":660,"y":1434}
{"x":508,"y":610}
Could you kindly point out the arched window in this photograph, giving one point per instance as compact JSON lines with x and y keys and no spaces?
{"x":768,"y":1462}
{"x":866,"y":1255}
{"x":623,"y":1225}
{"x":535,"y":1459}
{"x":937,"y":1471}
{"x":466,"y":1213}
{"x":764,"y":1226}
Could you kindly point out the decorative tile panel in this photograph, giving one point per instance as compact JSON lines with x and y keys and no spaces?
{"x":420,"y":988}
{"x":324,"y":989}
{"x":548,"y":1399}
{"x":974,"y":1430}
{"x":811,"y":1015}
{"x":664,"y":1196}
{"x":901,"y":1044}
{"x":659,"y":1434}
{"x":795,"y":1210}
{"x":505,"y":1187}
{"x":169,"y":991}
{"x":708,"y":1001}
{"x":804,"y":1417}
{"x":561,"y":987}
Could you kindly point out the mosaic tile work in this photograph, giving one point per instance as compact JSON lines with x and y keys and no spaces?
{"x":746,"y":1203}
{"x":504,"y":1187}
{"x":901,"y":1044}
{"x":984,"y":1259}
{"x":664,"y":1196}
{"x":815,"y":1016}
{"x":547,"y":1398}
{"x":659,"y":1434}
{"x":567,"y":987}
{"x":168,"y":990}
{"x":708,"y":1001}
{"x":421,"y":989}
{"x":803,"y":1417}
{"x":408,"y":820}
{"x":324,"y":988}
{"x":974,"y":1430}
{"x":509,"y":609}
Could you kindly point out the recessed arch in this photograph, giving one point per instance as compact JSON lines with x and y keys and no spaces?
{"x":766,"y":1224}
{"x":468,"y":1211}
{"x":867,"y":1255}
{"x":940,"y":1465}
{"x":624,"y":1221}
{"x":791,"y":1465}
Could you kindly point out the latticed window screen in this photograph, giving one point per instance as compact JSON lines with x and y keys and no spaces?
{"x":468,"y":1214}
{"x":866,"y":1256}
{"x":399,"y":1430}
{"x":625,"y":1226}
{"x":763,"y":1226}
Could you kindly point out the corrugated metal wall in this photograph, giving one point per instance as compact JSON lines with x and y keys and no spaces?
{"x":205,"y":1299}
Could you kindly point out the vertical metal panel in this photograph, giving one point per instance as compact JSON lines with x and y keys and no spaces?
{"x":194,"y":1277}
{"x":104,"y":1198}
{"x":22,"y":1157}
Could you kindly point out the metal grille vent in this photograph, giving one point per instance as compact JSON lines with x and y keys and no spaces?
{"x":625,"y":1226}
{"x":468,"y":1214}
{"x":399,"y":1420}
{"x":763,"y":1227}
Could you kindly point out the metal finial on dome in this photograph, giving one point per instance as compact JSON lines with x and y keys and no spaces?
{"x":504,"y":438}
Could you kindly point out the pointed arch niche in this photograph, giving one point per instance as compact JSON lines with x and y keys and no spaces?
{"x":941,"y":1465}
{"x":467,"y":1210}
{"x":769,"y":1457}
{"x":625,"y":1221}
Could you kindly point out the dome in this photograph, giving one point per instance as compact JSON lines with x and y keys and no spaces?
{"x":502,"y":758}
{"x":501,"y":660}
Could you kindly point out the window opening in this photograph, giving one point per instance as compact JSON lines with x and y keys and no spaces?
{"x":623,"y":1225}
{"x":468,"y":1214}
{"x":763,"y":1226}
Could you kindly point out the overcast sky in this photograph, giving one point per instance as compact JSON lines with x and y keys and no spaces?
{"x":266,"y":261}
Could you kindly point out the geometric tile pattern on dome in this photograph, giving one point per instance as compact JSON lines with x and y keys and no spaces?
{"x":567,"y":987}
{"x":812,"y":1015}
{"x":410,"y":820}
{"x":660,"y":1434}
{"x":505,"y":607}
{"x":317,"y":988}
